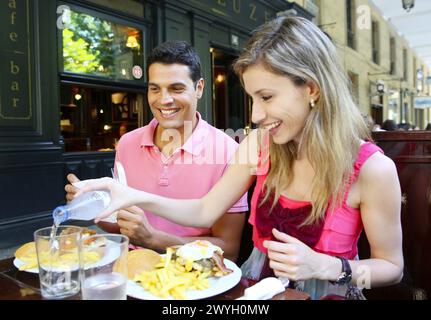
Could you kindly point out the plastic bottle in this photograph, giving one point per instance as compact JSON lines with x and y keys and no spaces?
{"x":85,"y":207}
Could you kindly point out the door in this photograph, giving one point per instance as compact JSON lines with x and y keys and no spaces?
{"x":230,"y":104}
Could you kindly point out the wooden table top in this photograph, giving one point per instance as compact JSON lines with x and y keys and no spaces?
{"x":19,"y":285}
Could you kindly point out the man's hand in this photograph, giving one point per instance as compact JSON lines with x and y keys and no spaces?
{"x":134,"y":224}
{"x":69,"y":188}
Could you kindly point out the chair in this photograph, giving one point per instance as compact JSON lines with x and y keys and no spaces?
{"x":411,"y":152}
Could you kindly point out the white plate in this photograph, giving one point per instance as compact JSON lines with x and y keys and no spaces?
{"x":217,"y":286}
{"x":19,"y":263}
{"x":113,"y":254}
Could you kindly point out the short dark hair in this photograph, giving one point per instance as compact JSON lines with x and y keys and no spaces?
{"x":180,"y":52}
{"x":389,"y":125}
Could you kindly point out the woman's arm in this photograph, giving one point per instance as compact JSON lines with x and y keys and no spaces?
{"x":381,"y":215}
{"x":195,"y":212}
{"x":380,"y":204}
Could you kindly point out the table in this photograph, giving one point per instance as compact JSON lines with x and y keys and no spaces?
{"x":19,"y":285}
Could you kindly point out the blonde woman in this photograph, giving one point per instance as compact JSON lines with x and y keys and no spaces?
{"x":320,"y":181}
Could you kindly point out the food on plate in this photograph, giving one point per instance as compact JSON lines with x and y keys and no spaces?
{"x":201,"y":255}
{"x":141,"y":260}
{"x":25,"y":250}
{"x":70,"y":243}
{"x":184,"y":268}
{"x":27,"y":255}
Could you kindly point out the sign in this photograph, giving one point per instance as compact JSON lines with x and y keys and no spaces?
{"x":137,"y":72}
{"x":249,"y":14}
{"x":422,"y":102}
{"x":15,"y":67}
{"x":380,"y":88}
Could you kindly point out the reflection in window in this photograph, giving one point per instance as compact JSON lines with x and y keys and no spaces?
{"x":97,"y":47}
{"x":230,"y":105}
{"x":94,"y":119}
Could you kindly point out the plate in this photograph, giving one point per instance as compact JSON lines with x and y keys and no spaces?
{"x":217,"y":286}
{"x":19,"y":263}
{"x":113,"y":253}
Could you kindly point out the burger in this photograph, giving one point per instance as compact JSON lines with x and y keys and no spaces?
{"x":201,"y":255}
{"x":140,"y":260}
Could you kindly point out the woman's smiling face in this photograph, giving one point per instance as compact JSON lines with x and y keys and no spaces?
{"x":279,"y":105}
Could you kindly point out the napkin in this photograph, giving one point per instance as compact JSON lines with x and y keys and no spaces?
{"x":265,"y":289}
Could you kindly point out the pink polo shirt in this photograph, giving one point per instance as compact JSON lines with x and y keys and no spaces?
{"x":189,"y":173}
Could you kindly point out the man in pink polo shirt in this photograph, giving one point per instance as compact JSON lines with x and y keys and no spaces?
{"x":177,"y":155}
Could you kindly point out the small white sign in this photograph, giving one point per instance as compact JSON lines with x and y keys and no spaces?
{"x":137,"y":72}
{"x":234,"y":40}
{"x":422,"y":102}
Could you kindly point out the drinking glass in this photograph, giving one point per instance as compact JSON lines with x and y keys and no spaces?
{"x":105,"y":279}
{"x":58,"y":257}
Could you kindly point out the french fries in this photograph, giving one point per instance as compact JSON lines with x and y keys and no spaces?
{"x":170,"y":278}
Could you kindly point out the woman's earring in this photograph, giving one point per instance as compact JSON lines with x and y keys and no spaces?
{"x":312,"y":104}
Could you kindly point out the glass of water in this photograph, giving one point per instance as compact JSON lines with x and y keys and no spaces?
{"x":58,"y":258}
{"x":105,"y":278}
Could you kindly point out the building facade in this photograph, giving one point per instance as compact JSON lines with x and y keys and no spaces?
{"x":73,"y":76}
{"x":387,"y":75}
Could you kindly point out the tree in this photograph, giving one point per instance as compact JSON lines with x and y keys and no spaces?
{"x":88,"y":45}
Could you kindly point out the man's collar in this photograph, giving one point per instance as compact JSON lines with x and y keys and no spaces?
{"x":194,"y":143}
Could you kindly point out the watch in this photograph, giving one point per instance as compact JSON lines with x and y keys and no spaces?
{"x":346,"y":272}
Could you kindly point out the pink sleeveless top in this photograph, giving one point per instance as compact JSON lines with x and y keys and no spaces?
{"x":336,"y":235}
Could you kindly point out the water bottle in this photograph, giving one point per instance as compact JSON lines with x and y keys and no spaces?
{"x":85,"y":207}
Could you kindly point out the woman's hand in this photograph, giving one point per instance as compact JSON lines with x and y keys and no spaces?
{"x":121,"y":196}
{"x":291,"y":258}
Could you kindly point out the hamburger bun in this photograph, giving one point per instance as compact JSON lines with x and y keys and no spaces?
{"x":27,"y":249}
{"x":141,"y":260}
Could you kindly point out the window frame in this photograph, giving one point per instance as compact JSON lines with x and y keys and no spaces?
{"x":114,"y":17}
{"x":350,"y":24}
{"x":375,"y":41}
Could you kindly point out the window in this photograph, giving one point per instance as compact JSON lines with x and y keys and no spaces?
{"x":350,"y":14}
{"x":97,"y":47}
{"x":375,"y":42}
{"x":354,"y":80}
{"x":420,"y":79}
{"x":405,"y":66}
{"x":393,"y":56}
{"x":393,"y":104}
{"x":101,"y":79}
{"x":313,"y":7}
{"x":91,"y":117}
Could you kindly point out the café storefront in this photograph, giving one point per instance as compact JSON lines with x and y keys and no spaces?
{"x":72,"y":73}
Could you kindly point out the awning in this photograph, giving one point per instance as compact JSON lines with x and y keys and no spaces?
{"x":422,"y":102}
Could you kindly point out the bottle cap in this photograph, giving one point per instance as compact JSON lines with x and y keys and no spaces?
{"x":60,"y":214}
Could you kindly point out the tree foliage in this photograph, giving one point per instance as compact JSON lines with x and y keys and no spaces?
{"x":88,"y":45}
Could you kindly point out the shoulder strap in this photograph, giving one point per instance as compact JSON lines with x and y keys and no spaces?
{"x":366,"y":150}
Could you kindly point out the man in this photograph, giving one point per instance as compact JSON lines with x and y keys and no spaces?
{"x":177,"y":154}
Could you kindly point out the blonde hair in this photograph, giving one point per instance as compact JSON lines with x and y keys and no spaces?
{"x":296,"y":48}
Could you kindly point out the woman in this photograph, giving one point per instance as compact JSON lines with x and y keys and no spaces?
{"x":319,"y":182}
